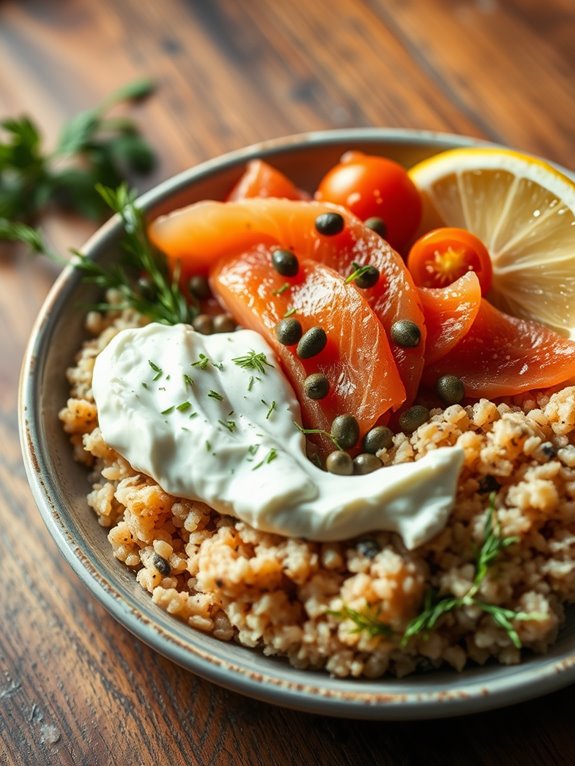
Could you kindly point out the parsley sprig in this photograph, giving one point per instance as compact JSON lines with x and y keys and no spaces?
{"x":161,"y":298}
{"x":434,"y":608}
{"x":93,"y":147}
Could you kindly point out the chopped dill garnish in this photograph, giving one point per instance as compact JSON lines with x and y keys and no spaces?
{"x":358,"y":272}
{"x":158,"y":370}
{"x":320,"y":431}
{"x":281,"y":290}
{"x":168,"y":410}
{"x":253,"y":361}
{"x":367,"y":621}
{"x":290,"y":312}
{"x":202,"y":362}
{"x":215,"y":395}
{"x":208,"y":446}
{"x":183,"y":407}
{"x":231,"y":425}
{"x":145,"y":385}
{"x":188,"y":380}
{"x":271,"y":407}
{"x":252,"y":449}
{"x":272,"y":454}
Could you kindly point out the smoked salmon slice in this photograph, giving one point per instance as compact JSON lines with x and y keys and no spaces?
{"x":199,"y":235}
{"x":357,"y":360}
{"x":449,"y":314}
{"x":260,"y":179}
{"x":502,"y":355}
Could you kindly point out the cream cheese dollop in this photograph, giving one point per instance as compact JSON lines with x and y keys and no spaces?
{"x":189,"y":411}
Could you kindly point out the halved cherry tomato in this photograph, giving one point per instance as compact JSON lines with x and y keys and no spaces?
{"x":262,"y":180}
{"x":357,"y":359}
{"x":375,"y":187}
{"x":502,"y":355}
{"x":443,"y":255}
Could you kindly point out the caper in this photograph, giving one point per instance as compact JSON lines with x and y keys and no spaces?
{"x":288,"y":331}
{"x":412,"y":418}
{"x":488,"y":483}
{"x":285,"y":262}
{"x":203,"y":323}
{"x":329,"y":224}
{"x":200,"y":288}
{"x":405,"y":333}
{"x":316,"y":386}
{"x":224,"y":323}
{"x":377,"y":225}
{"x":368,"y":548}
{"x":161,"y":564}
{"x":367,"y":278}
{"x":379,"y":437}
{"x":146,"y":288}
{"x":339,"y":462}
{"x":311,"y":342}
{"x":345,"y":430}
{"x":366,"y":463}
{"x":450,"y":389}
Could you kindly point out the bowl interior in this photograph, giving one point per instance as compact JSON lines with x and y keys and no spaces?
{"x":60,"y":484}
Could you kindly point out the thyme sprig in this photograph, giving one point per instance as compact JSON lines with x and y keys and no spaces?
{"x":160,"y":298}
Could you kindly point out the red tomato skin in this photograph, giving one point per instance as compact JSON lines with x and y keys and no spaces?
{"x":441,"y":256}
{"x":371,"y":186}
{"x":260,"y":179}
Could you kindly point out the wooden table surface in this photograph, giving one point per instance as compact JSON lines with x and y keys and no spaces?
{"x":75,"y":687}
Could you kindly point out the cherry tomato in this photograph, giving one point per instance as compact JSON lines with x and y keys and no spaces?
{"x":443,"y":255}
{"x":375,"y":187}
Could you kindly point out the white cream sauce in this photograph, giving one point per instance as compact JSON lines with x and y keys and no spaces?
{"x":178,"y":407}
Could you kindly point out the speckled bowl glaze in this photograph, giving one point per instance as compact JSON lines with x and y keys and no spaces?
{"x":59,"y":484}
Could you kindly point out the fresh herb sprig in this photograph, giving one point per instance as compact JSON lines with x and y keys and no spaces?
{"x":253,"y":361}
{"x":93,"y":147}
{"x":368,"y":620}
{"x":160,"y":298}
{"x":434,"y":608}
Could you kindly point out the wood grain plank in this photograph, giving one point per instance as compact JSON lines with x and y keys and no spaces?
{"x":75,"y":687}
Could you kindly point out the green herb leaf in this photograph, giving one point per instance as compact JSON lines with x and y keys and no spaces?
{"x":253,"y":361}
{"x":368,"y":620}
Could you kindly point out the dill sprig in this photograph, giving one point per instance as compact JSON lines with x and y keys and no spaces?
{"x":358,"y":272}
{"x":160,"y":298}
{"x":367,"y":621}
{"x":434,"y":608}
{"x":319,"y":431}
{"x":253,"y":361}
{"x":271,"y":455}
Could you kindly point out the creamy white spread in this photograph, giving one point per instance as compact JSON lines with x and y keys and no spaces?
{"x":194,"y":413}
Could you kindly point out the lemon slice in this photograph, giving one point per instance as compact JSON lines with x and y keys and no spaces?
{"x":524,"y":212}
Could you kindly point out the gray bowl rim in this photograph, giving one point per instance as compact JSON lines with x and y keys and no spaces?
{"x":313,"y":692}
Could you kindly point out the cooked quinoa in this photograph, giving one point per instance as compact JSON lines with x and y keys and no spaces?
{"x":294,"y":598}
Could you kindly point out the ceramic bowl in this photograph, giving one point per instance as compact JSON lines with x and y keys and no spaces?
{"x":59,"y":484}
